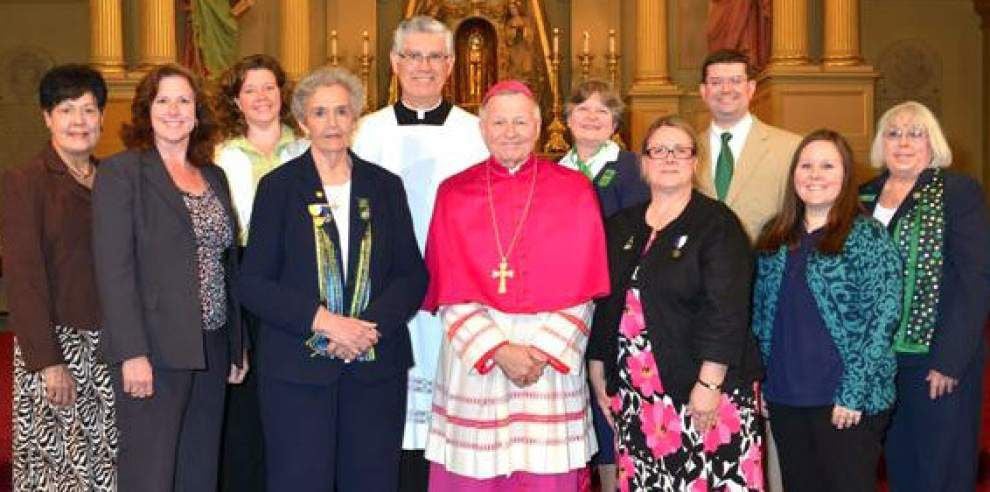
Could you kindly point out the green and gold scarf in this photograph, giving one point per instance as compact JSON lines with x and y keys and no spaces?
{"x":328,"y":266}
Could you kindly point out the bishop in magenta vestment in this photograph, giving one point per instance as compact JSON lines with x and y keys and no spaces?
{"x":487,"y":432}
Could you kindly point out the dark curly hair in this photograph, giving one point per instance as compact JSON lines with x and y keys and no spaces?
{"x":138,"y":134}
{"x":229,"y":116}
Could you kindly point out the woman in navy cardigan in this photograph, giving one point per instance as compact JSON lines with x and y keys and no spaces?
{"x":939,"y":223}
{"x":826,"y":300}
{"x":333,"y":273}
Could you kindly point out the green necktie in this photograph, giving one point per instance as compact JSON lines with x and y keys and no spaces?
{"x":723,"y":168}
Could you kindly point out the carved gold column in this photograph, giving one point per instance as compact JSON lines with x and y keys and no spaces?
{"x":790,"y":32}
{"x":652,"y":94}
{"x":839,"y":91}
{"x":106,"y":37}
{"x":841,"y":33}
{"x":294,"y":35}
{"x":157,"y":33}
{"x":651,"y":44}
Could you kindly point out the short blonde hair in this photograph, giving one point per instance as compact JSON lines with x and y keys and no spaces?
{"x":941,"y":153}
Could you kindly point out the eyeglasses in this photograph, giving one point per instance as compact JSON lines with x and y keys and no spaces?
{"x":914,"y":132}
{"x":415,"y":57}
{"x":733,"y":81}
{"x":663,"y":152}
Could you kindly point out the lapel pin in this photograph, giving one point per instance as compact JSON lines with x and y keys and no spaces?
{"x":678,"y":244}
{"x":319,"y":194}
{"x":629,"y":243}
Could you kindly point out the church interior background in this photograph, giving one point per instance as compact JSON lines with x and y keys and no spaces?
{"x":827,"y":63}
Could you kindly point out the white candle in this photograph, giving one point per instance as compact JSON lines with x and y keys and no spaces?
{"x":611,"y":41}
{"x":333,"y":43}
{"x":587,"y":42}
{"x":364,"y":45}
{"x":556,"y":41}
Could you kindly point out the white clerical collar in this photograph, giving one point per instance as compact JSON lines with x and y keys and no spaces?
{"x":421,"y":112}
{"x":739,"y":132}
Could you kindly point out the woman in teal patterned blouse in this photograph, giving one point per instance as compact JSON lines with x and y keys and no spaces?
{"x":826,"y":302}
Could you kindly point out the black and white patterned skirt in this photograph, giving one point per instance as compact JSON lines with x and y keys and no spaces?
{"x":65,"y":448}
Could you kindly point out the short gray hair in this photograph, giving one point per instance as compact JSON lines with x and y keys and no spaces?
{"x":422,"y":24}
{"x":327,"y":77}
{"x":583,"y":91}
{"x":483,"y":109}
{"x":941,"y":153}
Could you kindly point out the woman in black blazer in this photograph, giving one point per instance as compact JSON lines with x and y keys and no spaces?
{"x":673,"y":337}
{"x":163,"y":242}
{"x":333,"y":273}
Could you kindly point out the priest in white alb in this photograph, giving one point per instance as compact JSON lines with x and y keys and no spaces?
{"x":424,"y":139}
{"x":516,"y":254}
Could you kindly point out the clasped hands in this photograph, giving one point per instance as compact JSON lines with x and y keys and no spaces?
{"x":522,"y":364}
{"x":348,"y":337}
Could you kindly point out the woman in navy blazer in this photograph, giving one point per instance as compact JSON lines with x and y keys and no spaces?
{"x":940,"y":225}
{"x":333,"y":272}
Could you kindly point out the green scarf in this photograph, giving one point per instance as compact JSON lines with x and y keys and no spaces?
{"x":332,"y":279}
{"x":920,"y":235}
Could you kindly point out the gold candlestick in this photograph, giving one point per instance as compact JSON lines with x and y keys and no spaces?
{"x":365,"y":61}
{"x":612,"y":59}
{"x":333,"y":59}
{"x":585,"y":57}
{"x":555,"y":131}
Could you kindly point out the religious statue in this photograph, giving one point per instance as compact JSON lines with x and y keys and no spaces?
{"x":518,"y":35}
{"x":474,"y":60}
{"x":432,"y":8}
{"x":742,"y":25}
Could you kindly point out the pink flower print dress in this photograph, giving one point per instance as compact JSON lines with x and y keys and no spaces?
{"x":658,"y":447}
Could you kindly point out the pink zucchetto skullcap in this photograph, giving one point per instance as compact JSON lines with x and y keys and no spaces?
{"x":507,"y":87}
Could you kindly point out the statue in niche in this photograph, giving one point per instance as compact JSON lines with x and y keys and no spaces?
{"x":518,"y":35}
{"x":742,"y":25}
{"x":476,"y":65}
{"x":474,"y":62}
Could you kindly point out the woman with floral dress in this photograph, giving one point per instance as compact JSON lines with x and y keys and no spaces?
{"x":672,"y":338}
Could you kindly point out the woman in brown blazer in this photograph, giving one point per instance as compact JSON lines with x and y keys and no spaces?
{"x":63,"y":430}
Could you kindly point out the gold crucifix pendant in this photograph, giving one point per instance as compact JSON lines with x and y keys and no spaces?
{"x":502,"y":274}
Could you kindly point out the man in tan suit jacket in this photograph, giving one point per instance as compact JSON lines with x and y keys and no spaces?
{"x":761,"y":153}
{"x":761,"y":158}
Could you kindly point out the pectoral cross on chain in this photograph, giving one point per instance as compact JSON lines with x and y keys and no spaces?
{"x":502,"y":274}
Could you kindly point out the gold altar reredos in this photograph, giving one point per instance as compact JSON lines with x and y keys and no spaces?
{"x":817,"y":73}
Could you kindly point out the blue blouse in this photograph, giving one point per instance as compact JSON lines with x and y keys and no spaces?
{"x":804,"y":365}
